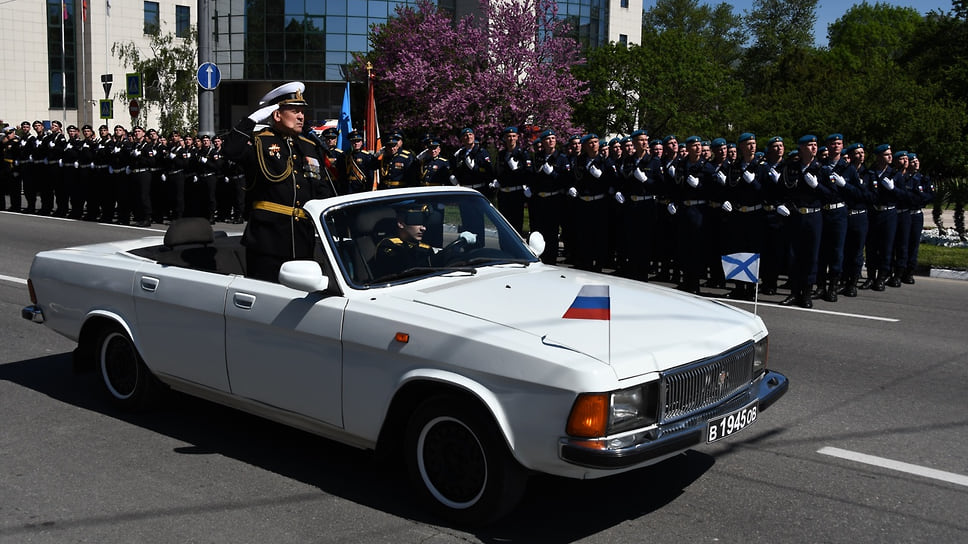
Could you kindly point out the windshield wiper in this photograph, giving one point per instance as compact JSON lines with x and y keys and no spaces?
{"x":419,"y":270}
{"x":491,"y":261}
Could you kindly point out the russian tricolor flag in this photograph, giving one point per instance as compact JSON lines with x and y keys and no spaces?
{"x":592,"y":302}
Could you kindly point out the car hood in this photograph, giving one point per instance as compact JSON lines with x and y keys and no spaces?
{"x":635,"y":327}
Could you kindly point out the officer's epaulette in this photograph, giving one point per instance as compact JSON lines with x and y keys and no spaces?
{"x":307,"y":140}
{"x":424,"y":246}
{"x":405,"y":152}
{"x":264,"y":132}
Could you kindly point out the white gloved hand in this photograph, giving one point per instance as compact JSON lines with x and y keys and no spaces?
{"x":116,"y":150}
{"x":619,"y":197}
{"x":721,"y":177}
{"x":172,"y":155}
{"x":888,"y":183}
{"x":468,"y":237}
{"x":51,"y":144}
{"x":671,"y":170}
{"x":110,"y":169}
{"x":838,"y":180}
{"x":453,"y":179}
{"x":527,"y":192}
{"x":136,"y":152}
{"x":693,"y":181}
{"x":423,"y":155}
{"x":76,"y":164}
{"x":163,"y":177}
{"x":727,"y":206}
{"x":594,"y":171}
{"x":495,"y":184}
{"x":774,"y":175}
{"x":671,"y":208}
{"x":572,"y":192}
{"x":748,"y":176}
{"x":469,"y":161}
{"x":639,"y":175}
{"x":60,"y":162}
{"x":811,"y":180}
{"x":783,"y":210}
{"x":127,"y":169}
{"x":547,"y":168}
{"x":512,"y":163}
{"x":204,"y":160}
{"x":263,"y":113}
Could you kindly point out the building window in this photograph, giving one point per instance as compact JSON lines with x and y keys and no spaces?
{"x":624,"y":4}
{"x":183,"y":21}
{"x":61,"y":54}
{"x":623,"y":39}
{"x":152,"y":18}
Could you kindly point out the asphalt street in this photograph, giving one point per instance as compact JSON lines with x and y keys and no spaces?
{"x":869,"y":445}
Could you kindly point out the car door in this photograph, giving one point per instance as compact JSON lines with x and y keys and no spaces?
{"x":181,"y":323}
{"x":283,"y":347}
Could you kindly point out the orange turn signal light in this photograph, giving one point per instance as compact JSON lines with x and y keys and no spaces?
{"x":401,"y":337}
{"x":589,"y":416}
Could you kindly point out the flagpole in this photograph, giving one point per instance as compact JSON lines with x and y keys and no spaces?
{"x":63,"y":63}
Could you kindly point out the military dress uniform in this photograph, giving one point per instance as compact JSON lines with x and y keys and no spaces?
{"x":32,"y":164}
{"x":472,"y":168}
{"x":396,"y":255}
{"x":858,"y":198}
{"x":549,"y":173}
{"x":53,"y":194}
{"x":179,"y":157}
{"x":398,"y":169}
{"x":9,"y":176}
{"x":883,"y":222}
{"x":688,"y":199}
{"x":434,"y":171}
{"x":283,"y":173}
{"x":636,"y":186}
{"x":921,"y":192}
{"x":514,"y":171}
{"x":83,"y":205}
{"x":593,"y":178}
{"x":745,"y":230}
{"x":208,"y":168}
{"x":360,"y":166}
{"x":718,"y":211}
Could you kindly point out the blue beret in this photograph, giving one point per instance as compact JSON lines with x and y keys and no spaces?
{"x":574,"y":137}
{"x":730,"y":145}
{"x":466,"y":130}
{"x":655,"y":141}
{"x":614,"y":141}
{"x":719,"y":142}
{"x":693,"y":139}
{"x":834,"y":136}
{"x":912,"y":156}
{"x":821,"y":149}
{"x":759,"y":154}
{"x":901,"y":154}
{"x":395,"y":137}
{"x":669,"y":138}
{"x":587,"y":137}
{"x":882,"y":148}
{"x":746,"y":136}
{"x":775,"y":139}
{"x":510,"y":130}
{"x":794,"y":153}
{"x":625,"y":139}
{"x":547,"y":133}
{"x":638,"y":133}
{"x":806,"y":139}
{"x":705,"y":143}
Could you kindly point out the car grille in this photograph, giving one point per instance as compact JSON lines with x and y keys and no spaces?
{"x":694,"y":387}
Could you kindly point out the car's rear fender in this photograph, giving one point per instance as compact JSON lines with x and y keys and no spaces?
{"x":95,"y":321}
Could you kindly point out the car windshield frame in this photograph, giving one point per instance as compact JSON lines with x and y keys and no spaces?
{"x":463,"y":232}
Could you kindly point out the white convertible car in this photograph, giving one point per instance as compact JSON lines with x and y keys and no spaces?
{"x":479,"y":367}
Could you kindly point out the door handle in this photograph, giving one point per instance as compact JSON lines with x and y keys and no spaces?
{"x":243,"y":300}
{"x":149,"y":284}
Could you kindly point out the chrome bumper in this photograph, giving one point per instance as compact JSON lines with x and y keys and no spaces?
{"x":676,"y":436}
{"x":32,"y":313}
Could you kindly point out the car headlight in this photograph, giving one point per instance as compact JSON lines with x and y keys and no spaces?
{"x":595,"y":415}
{"x":761,"y":352}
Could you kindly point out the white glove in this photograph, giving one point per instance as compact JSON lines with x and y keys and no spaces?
{"x":136,"y":152}
{"x":774,"y":175}
{"x":263,"y":113}
{"x":639,"y":175}
{"x":204,"y":160}
{"x":811,"y":180}
{"x":127,"y":169}
{"x":672,"y":208}
{"x":693,"y":181}
{"x":527,"y":192}
{"x":671,"y":170}
{"x":163,"y":177}
{"x":172,"y":155}
{"x":888,"y":183}
{"x":51,"y":145}
{"x":453,"y":179}
{"x":619,"y":197}
{"x":116,"y":150}
{"x":594,"y":171}
{"x":783,"y":210}
{"x":748,"y":176}
{"x":60,"y":162}
{"x":721,"y":176}
{"x":512,"y":163}
{"x":469,"y":161}
{"x":838,"y":180}
{"x":494,"y":184}
{"x":572,"y":192}
{"x":423,"y":155}
{"x":468,"y":237}
{"x":547,"y":169}
{"x":727,"y":206}
{"x":110,"y":169}
{"x":76,"y":164}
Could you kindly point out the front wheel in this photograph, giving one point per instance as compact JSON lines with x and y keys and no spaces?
{"x":126,"y":379}
{"x":460,"y":462}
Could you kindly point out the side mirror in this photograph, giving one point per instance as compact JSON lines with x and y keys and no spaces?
{"x":536,"y":242}
{"x":303,"y":276}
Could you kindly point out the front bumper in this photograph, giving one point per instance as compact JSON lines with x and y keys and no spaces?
{"x":32,"y":313}
{"x":676,"y":436}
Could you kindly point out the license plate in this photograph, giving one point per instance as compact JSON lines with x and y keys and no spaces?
{"x":731,"y":423}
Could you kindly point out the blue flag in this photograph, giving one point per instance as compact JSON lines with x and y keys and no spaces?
{"x":345,"y":125}
{"x":742,"y":267}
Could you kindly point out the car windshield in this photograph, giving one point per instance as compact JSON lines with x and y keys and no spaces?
{"x":388,"y":240}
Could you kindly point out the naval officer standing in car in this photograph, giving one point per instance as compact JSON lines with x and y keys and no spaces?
{"x":282,"y":173}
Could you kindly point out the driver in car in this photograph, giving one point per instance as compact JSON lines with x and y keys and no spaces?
{"x":407,"y":249}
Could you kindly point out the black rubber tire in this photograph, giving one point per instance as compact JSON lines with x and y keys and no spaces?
{"x":460,"y":463}
{"x":124,"y":375}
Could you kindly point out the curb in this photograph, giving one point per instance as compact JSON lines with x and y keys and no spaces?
{"x":949,"y":274}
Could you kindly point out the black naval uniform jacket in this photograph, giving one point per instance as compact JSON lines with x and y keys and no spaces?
{"x":282,"y":174}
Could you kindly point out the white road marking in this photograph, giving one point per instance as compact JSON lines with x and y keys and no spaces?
{"x":12,"y":279}
{"x":814,"y":310}
{"x":899,"y":466}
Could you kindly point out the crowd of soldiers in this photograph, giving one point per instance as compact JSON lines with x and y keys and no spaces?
{"x":647,"y":208}
{"x":657,"y":209}
{"x":134,"y":177}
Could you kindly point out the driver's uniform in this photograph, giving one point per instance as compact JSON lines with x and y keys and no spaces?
{"x":396,"y":255}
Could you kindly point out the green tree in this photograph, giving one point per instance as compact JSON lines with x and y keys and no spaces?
{"x":168,"y":72}
{"x":779,"y":28}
